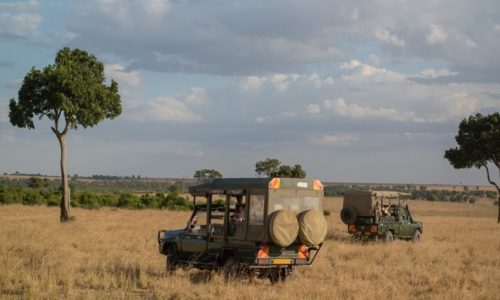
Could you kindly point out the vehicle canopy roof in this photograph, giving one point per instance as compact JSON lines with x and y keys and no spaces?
{"x":233,"y":185}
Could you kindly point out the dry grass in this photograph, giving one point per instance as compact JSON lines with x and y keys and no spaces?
{"x":113,"y":254}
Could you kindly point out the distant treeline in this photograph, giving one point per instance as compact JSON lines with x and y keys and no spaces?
{"x":415,"y":193}
{"x":37,"y":191}
{"x":108,"y":185}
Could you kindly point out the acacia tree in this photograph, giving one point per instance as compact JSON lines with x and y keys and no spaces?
{"x":478,"y":142}
{"x":206,"y":174}
{"x":272,"y":167}
{"x":267,"y":167}
{"x":71,"y":92}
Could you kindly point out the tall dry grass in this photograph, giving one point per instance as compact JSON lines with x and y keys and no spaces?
{"x":113,"y":253}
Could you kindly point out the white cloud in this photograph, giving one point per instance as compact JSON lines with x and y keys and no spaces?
{"x":454,"y":107}
{"x":316,"y":81}
{"x":342,"y":108}
{"x":337,"y":139}
{"x":280,"y":82}
{"x":436,"y":35}
{"x":251,"y":83}
{"x":431,"y":73}
{"x":156,"y":7}
{"x":118,"y":73}
{"x":313,"y":109}
{"x":19,"y":24}
{"x":163,"y":109}
{"x":278,"y":117}
{"x":194,"y":153}
{"x":497,"y":27}
{"x":196,"y":97}
{"x":470,"y":43}
{"x":387,"y":37}
{"x":17,"y":5}
{"x":363,"y":72}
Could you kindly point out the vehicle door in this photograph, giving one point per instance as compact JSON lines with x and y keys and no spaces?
{"x":194,"y":238}
{"x":406,"y":225}
{"x":216,"y":227}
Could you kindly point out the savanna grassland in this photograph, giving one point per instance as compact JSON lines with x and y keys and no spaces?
{"x":113,"y":253}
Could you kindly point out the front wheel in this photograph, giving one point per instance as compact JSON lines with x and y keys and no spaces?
{"x":416,"y":236}
{"x":388,"y":237}
{"x":171,"y":260}
{"x":235,"y":269}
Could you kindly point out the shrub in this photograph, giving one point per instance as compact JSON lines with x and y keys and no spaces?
{"x":32,"y":197}
{"x":128,"y":200}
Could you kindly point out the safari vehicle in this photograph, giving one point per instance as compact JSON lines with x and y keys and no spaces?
{"x":249,"y":227}
{"x":369,"y":216}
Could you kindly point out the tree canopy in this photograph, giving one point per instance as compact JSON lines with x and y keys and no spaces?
{"x":71,"y":92}
{"x":272,"y":167}
{"x":267,"y":167}
{"x":478,"y":142}
{"x":206,"y":174}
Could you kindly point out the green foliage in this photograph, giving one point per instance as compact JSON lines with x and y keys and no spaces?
{"x":289,"y":172}
{"x":478,"y":142}
{"x":272,"y":167}
{"x":73,"y":88}
{"x":20,"y":192}
{"x":267,"y":167}
{"x":206,"y":174}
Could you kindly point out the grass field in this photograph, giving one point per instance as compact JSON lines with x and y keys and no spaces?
{"x":112,"y":253}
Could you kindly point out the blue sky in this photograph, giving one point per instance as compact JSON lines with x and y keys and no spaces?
{"x":367,"y":91}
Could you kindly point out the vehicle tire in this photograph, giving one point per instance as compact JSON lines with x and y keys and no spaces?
{"x":230,"y":269}
{"x":416,"y":236}
{"x":283,"y":227}
{"x":388,"y":237}
{"x":312,"y":227}
{"x":171,"y":260}
{"x":348,"y":215}
{"x":278,"y":275}
{"x":237,"y":270}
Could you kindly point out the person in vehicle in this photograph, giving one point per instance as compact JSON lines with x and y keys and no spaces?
{"x":239,"y":216}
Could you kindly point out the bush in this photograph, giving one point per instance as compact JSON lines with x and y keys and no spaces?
{"x":33,"y":197}
{"x":128,"y":201}
{"x":87,"y":200}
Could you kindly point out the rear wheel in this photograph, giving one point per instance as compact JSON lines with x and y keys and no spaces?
{"x":234,"y":269}
{"x":388,"y":237}
{"x":416,"y":236}
{"x":278,"y":275}
{"x":171,"y":261}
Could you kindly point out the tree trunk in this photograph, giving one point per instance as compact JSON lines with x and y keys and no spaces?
{"x":65,"y":198}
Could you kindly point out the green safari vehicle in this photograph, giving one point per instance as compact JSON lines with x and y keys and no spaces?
{"x":249,"y":227}
{"x":368,"y":216}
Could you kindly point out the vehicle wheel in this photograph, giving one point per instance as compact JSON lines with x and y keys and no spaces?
{"x":416,"y":236}
{"x":235,"y":269}
{"x":388,"y":237}
{"x":171,"y":260}
{"x":348,"y":215}
{"x":277,"y":275}
{"x":230,"y":269}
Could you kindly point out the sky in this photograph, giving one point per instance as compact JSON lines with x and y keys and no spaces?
{"x":354,"y":91}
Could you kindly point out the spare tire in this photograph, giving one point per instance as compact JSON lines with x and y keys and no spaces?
{"x":283,"y":227}
{"x":348,"y":215}
{"x":312,"y":227}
